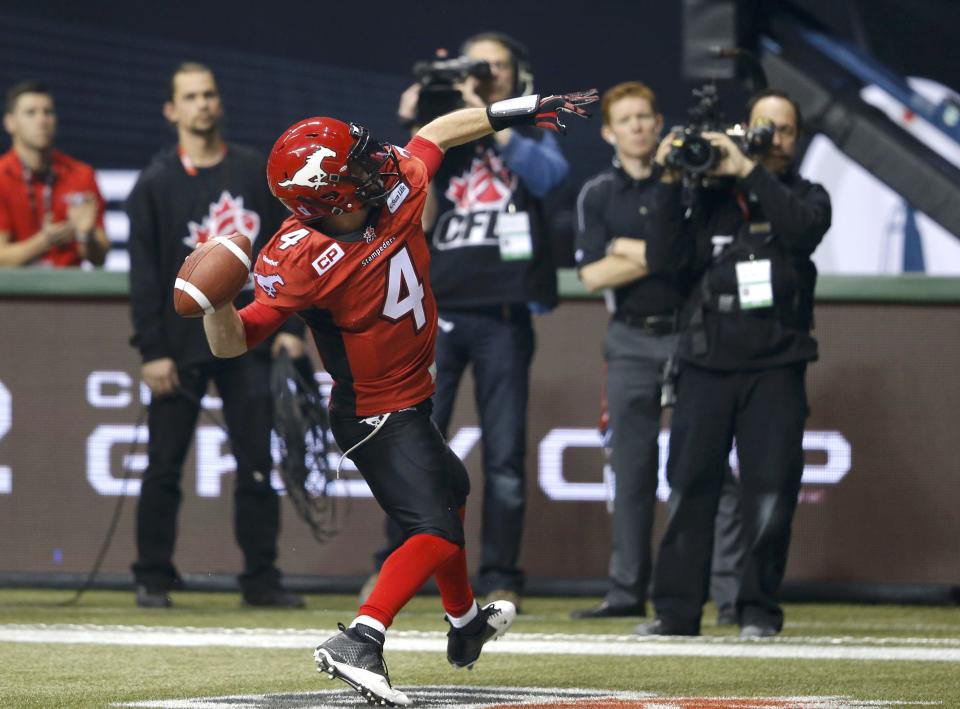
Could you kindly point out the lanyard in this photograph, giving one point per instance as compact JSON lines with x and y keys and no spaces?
{"x":47,"y":206}
{"x":742,"y":203}
{"x":188,"y":166}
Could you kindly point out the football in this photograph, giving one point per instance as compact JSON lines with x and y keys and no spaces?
{"x":212,"y":275}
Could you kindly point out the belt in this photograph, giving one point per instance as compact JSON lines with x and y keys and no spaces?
{"x":651,"y":324}
{"x":507,"y":311}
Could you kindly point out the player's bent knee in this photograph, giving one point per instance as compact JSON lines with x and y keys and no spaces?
{"x":453,"y":536}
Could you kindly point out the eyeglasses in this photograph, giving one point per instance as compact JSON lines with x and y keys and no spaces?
{"x":784,"y":131}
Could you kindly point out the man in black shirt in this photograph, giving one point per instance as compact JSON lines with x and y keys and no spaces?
{"x":189,"y":194}
{"x":748,"y":237}
{"x":615,"y":222}
{"x":491,"y":268}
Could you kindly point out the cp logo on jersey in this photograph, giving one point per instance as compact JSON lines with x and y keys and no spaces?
{"x":311,"y":175}
{"x":269,"y":283}
{"x":329,"y":257}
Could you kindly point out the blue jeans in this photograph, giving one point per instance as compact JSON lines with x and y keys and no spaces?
{"x":499,"y":343}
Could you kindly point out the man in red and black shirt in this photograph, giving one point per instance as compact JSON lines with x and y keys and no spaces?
{"x":51,"y":212}
{"x":353,"y":262}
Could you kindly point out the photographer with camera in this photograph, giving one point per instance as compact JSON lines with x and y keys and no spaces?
{"x":616,"y":219}
{"x":491,"y":268}
{"x":747,"y":235}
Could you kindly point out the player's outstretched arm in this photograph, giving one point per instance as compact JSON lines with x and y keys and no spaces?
{"x":471,"y":123}
{"x":225,"y":332}
{"x":457,"y":128}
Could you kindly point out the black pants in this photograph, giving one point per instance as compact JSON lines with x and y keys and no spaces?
{"x":243,"y":384}
{"x":635,"y":361}
{"x":765,"y":411}
{"x":418,"y":481}
{"x":499,"y":343}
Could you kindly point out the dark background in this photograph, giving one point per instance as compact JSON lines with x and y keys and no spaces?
{"x":277,"y":62}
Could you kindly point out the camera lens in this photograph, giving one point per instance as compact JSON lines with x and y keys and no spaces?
{"x":697,"y":154}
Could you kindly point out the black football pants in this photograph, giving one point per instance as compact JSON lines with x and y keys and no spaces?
{"x":243,"y":385}
{"x":765,"y":411}
{"x":418,"y":481}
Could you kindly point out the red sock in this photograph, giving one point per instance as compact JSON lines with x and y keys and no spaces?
{"x":456,"y":594}
{"x":404,"y":572}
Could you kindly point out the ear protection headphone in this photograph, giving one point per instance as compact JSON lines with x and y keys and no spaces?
{"x":523,"y":74}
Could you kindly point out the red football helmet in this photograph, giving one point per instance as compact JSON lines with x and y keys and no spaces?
{"x":321,"y":166}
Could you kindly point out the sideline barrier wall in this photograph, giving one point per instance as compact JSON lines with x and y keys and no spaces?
{"x":879,"y":504}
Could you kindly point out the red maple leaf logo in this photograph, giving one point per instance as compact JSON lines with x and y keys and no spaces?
{"x":486,"y":186}
{"x":225,"y":216}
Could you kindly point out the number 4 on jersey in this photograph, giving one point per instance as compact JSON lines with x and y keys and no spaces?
{"x":402,"y":278}
{"x":292,"y":238}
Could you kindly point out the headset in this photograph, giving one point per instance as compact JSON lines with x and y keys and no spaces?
{"x":522,"y":71}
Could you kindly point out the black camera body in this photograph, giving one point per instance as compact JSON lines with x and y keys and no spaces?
{"x":438,"y":78}
{"x":694,"y":155}
{"x":447,"y":72}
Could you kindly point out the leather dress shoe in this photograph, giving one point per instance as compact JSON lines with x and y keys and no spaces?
{"x":606,"y":610}
{"x":758,"y":631}
{"x":658,"y":626}
{"x":727,"y":617}
{"x":273,"y":598}
{"x":152,"y":597}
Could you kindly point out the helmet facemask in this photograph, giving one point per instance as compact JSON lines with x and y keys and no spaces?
{"x":373,"y":165}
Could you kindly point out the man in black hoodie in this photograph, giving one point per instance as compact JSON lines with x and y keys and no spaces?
{"x":198,"y":190}
{"x":748,"y":237}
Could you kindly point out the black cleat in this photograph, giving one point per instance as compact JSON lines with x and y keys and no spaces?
{"x":356,"y":657}
{"x":464,"y":644}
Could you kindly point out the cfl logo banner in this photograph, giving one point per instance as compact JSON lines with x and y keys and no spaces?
{"x":555,"y":485}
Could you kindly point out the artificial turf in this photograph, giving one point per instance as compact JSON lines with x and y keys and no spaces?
{"x":81,"y":675}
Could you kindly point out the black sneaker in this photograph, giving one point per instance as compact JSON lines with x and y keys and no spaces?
{"x":273,"y":598}
{"x":356,"y":657}
{"x":464,"y":644}
{"x":152,"y":598}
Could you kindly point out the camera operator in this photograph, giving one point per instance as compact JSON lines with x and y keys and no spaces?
{"x":491,"y":268}
{"x":748,"y":236}
{"x":616,"y":216}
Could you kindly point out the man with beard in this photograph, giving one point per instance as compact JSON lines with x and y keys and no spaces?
{"x":748,"y":237}
{"x":201,"y":189}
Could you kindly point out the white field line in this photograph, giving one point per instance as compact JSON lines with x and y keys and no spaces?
{"x":433,"y":696}
{"x":517,"y":643}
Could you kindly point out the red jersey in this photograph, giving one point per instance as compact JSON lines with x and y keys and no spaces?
{"x":25,"y":199}
{"x":368,"y":301}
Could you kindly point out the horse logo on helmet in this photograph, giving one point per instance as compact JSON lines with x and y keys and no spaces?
{"x":311,"y":175}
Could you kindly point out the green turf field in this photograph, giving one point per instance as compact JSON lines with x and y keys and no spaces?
{"x":106,"y":651}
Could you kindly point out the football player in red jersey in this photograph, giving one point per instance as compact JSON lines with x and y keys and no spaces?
{"x":353,"y":262}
